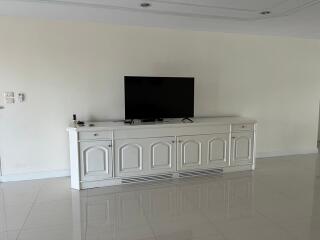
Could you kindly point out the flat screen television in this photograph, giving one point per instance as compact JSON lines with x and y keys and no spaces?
{"x":150,"y":98}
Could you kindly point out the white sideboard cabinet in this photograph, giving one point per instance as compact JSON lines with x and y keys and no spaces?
{"x":110,"y":153}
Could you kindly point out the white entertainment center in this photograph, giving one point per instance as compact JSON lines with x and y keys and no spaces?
{"x":111,"y":153}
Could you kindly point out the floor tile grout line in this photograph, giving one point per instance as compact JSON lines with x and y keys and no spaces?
{"x":29,"y":213}
{"x":205,"y":216}
{"x":272,"y":222}
{"x":145,"y":215}
{"x":194,"y":206}
{"x":86,"y":216}
{"x":269,"y":219}
{"x":277,"y":192}
{"x":148,"y":221}
{"x":4,"y":209}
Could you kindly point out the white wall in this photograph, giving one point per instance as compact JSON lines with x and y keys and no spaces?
{"x":319,"y":127}
{"x":68,"y":67}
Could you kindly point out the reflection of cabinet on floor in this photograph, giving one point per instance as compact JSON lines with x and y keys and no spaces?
{"x":99,"y":215}
{"x":116,"y":153}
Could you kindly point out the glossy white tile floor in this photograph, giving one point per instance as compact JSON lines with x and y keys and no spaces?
{"x":280,"y":200}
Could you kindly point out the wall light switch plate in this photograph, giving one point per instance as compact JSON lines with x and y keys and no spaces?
{"x":8,"y":97}
{"x":8,"y":94}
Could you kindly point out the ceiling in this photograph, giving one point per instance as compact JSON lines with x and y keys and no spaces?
{"x":299,"y":18}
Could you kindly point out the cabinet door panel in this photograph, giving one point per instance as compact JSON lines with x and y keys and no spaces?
{"x":129,"y":157}
{"x":190,"y":152}
{"x":146,"y":156}
{"x":160,"y":155}
{"x":95,"y":160}
{"x":242,"y":148}
{"x":162,"y":152}
{"x":218,"y":150}
{"x":203,"y":151}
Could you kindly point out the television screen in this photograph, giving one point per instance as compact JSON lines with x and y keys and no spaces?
{"x":158,"y":97}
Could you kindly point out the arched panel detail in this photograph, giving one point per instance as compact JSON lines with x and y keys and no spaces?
{"x":217,"y":148}
{"x":95,"y":163}
{"x":161,"y":159}
{"x":130,"y":157}
{"x":192,"y":157}
{"x":238,"y":146}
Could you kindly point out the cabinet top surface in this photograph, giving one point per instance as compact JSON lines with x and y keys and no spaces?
{"x":119,"y":124}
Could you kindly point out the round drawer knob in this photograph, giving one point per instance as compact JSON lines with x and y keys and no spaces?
{"x":95,"y":134}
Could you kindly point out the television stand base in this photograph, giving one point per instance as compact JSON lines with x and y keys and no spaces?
{"x":187,"y":119}
{"x":140,"y":150}
{"x":152,"y":120}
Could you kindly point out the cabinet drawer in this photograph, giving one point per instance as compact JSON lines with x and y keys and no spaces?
{"x":242,"y":127}
{"x":95,"y":135}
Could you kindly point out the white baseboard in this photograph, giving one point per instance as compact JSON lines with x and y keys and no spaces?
{"x":287,"y":153}
{"x":34,"y":175}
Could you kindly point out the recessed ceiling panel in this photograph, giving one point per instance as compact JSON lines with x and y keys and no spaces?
{"x":225,"y":9}
{"x":253,"y":5}
{"x":283,"y":17}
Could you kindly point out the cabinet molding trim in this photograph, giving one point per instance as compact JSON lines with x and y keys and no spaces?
{"x":86,"y":158}
{"x":210,"y":157}
{"x":121,"y":163}
{"x":183,"y":152}
{"x":152,"y":157}
{"x":235,"y":157}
